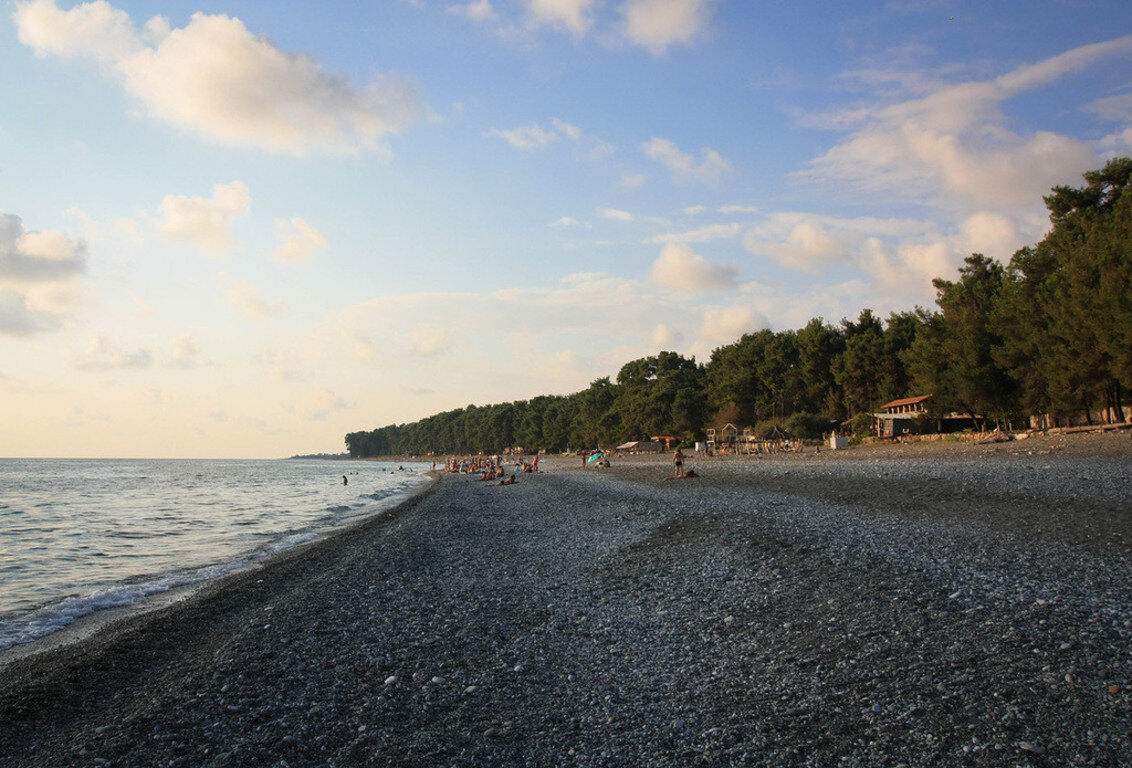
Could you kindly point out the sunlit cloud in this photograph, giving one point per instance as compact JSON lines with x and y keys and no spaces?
{"x":701,"y":234}
{"x":217,"y":79}
{"x":526,"y":137}
{"x":954,"y":143}
{"x":681,"y":269}
{"x":102,"y":355}
{"x":480,"y":10}
{"x":185,"y":353}
{"x":38,"y":274}
{"x":571,"y":16}
{"x":711,"y":168}
{"x":298,"y":240}
{"x":202,"y":221}
{"x":657,"y":24}
{"x":431,"y":339}
{"x":245,"y":298}
{"x":283,"y":366}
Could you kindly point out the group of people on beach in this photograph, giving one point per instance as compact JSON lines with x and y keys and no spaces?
{"x":490,"y":467}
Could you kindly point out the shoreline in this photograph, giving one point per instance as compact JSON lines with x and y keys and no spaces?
{"x":778,"y":610}
{"x":84,"y":626}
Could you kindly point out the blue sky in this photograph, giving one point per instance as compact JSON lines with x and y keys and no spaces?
{"x":246,"y":228}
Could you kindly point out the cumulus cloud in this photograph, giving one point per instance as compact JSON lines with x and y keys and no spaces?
{"x":633,"y":180}
{"x":616,"y":214}
{"x":679,"y":268}
{"x":807,"y":247}
{"x":571,"y":16}
{"x":526,"y":137}
{"x":701,"y":234}
{"x":38,"y":272}
{"x":282,"y":366}
{"x":563,"y":222}
{"x":102,"y":355}
{"x":657,"y":24}
{"x":325,"y":402}
{"x":430,"y":339}
{"x":480,"y":10}
{"x":664,"y":337}
{"x":890,"y":254}
{"x":711,"y":168}
{"x":205,"y":221}
{"x":185,"y":353}
{"x":723,"y":325}
{"x":298,"y":240}
{"x":534,"y":137}
{"x":217,"y":79}
{"x":246,"y":299}
{"x":28,"y":257}
{"x":954,"y":142}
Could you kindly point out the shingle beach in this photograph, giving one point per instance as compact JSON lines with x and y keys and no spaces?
{"x":942,"y":605}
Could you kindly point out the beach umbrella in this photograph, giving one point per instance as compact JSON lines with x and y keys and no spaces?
{"x":596,"y":457}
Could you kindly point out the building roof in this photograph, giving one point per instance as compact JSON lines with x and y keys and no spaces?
{"x":905,"y":401}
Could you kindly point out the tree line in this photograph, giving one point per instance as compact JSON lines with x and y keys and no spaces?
{"x":1049,"y":334}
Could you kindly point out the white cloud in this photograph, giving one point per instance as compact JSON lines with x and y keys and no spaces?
{"x":480,"y":10}
{"x":102,"y":355}
{"x":807,"y":247}
{"x":701,"y":234}
{"x":185,"y":353}
{"x":217,"y":79}
{"x":723,"y":325}
{"x":245,"y":298}
{"x":325,"y":402}
{"x":664,"y":337}
{"x":738,"y":209}
{"x":1117,"y":108}
{"x":711,"y":168}
{"x":657,"y":24}
{"x":633,"y":180}
{"x":202,"y":221}
{"x":298,"y":240}
{"x":953,"y":143}
{"x":615,"y":214}
{"x":571,"y":16}
{"x":526,"y":137}
{"x":431,"y":339}
{"x":283,"y":366}
{"x":38,"y":276}
{"x":572,"y":132}
{"x":565,"y":221}
{"x":28,"y":257}
{"x":681,"y":269}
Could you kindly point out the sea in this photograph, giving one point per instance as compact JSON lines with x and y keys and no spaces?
{"x":78,"y":536}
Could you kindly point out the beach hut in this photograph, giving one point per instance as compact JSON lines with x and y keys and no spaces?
{"x":723,"y":438}
{"x":899,"y":417}
{"x":640,"y":446}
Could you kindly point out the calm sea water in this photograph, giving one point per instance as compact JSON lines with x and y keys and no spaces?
{"x":80,"y":535}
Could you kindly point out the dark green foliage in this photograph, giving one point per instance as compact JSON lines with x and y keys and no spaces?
{"x":809,"y":426}
{"x":952,"y":355}
{"x":1050,"y":333}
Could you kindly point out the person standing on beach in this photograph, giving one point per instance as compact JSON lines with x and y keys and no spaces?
{"x":678,"y":463}
{"x":344,"y":480}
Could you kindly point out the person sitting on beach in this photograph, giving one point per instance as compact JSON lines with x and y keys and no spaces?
{"x":509,"y":480}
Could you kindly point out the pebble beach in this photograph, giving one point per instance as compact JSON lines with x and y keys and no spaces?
{"x":926,"y":605}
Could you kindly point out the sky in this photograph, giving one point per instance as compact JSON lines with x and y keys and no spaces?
{"x":244,"y":229}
